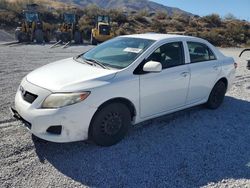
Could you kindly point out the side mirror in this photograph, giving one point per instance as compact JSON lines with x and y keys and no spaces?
{"x":152,"y":66}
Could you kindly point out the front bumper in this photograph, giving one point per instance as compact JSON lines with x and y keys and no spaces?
{"x":18,"y":117}
{"x":74,"y":120}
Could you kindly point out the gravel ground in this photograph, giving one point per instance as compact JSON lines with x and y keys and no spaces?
{"x":192,"y":148}
{"x":6,"y":36}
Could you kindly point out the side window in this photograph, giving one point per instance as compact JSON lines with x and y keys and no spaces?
{"x":169,"y":55}
{"x":199,"y":52}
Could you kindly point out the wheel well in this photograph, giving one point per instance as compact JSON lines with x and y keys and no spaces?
{"x":124,"y":101}
{"x":224,"y":80}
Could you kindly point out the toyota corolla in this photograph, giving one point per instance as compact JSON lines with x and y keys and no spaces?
{"x":99,"y":94}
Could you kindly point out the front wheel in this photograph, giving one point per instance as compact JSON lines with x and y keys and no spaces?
{"x":110,"y":124}
{"x":217,"y":95}
{"x":39,"y":36}
{"x":78,"y":37}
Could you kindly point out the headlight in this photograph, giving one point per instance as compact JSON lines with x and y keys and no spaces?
{"x":57,"y":100}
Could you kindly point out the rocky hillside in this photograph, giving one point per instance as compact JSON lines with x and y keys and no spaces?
{"x":126,"y":5}
{"x":220,"y":31}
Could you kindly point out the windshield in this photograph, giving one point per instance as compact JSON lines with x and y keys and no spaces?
{"x":105,"y":19}
{"x":119,"y":52}
{"x":69,"y":18}
{"x":31,"y":16}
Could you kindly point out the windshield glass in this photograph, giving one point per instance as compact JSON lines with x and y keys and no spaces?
{"x":119,"y":52}
{"x":105,"y":19}
{"x":31,"y":16}
{"x":69,"y":18}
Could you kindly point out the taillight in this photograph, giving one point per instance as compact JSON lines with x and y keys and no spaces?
{"x":235,"y":65}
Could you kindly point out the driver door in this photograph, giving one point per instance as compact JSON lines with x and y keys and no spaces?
{"x":166,"y":90}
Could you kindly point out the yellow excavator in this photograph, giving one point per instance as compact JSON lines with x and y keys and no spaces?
{"x":69,"y":30}
{"x":32,"y":28}
{"x":102,"y":30}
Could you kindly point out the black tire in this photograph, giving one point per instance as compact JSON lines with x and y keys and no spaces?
{"x":78,"y":37}
{"x":22,"y":37}
{"x":93,"y":40}
{"x":110,"y":124}
{"x":39,"y":36}
{"x":66,"y":37}
{"x":217,"y":95}
{"x":47,"y":36}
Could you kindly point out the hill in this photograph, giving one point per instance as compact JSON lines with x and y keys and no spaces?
{"x":127,"y":5}
{"x":220,"y":32}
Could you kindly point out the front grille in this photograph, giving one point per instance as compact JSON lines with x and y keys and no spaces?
{"x":29,"y":97}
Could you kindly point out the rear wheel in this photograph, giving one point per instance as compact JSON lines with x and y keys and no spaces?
{"x":217,"y":95}
{"x":110,"y":124}
{"x":47,"y":36}
{"x":65,"y":37}
{"x":78,"y":37}
{"x":22,"y":37}
{"x":39,"y":36}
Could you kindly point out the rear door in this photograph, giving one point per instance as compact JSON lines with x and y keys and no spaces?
{"x":204,"y":68}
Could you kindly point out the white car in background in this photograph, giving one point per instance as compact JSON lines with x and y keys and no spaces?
{"x":123,"y":81}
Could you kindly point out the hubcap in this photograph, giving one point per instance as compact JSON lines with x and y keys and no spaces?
{"x":111,"y":123}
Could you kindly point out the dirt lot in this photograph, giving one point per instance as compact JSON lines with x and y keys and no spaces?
{"x":193,"y":148}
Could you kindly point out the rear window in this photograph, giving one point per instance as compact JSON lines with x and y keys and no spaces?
{"x":200,"y":52}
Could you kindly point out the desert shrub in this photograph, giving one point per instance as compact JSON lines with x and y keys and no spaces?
{"x":140,"y":19}
{"x":158,"y":26}
{"x":161,"y":15}
{"x":8,"y":19}
{"x":215,"y":36}
{"x":213,"y":20}
{"x":181,"y":17}
{"x":193,"y":23}
{"x":118,"y":16}
{"x":92,"y":11}
{"x":176,"y":25}
{"x":229,"y":16}
{"x":236,"y":33}
{"x":143,"y":13}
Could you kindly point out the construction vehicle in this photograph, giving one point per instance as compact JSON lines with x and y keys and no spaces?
{"x":102,"y":30}
{"x":69,"y":30}
{"x":248,"y":60}
{"x":32,"y":28}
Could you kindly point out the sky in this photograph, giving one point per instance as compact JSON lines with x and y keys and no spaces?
{"x":239,"y":8}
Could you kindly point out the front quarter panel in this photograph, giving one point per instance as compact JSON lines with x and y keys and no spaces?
{"x":122,"y":86}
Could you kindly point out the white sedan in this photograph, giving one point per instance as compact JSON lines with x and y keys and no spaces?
{"x":98,"y":95}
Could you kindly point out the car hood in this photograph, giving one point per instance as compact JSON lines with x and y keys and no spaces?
{"x":69,"y":75}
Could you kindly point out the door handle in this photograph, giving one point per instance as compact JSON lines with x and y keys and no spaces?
{"x":184,"y":74}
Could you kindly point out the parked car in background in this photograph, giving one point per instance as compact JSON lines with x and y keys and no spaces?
{"x":119,"y":83}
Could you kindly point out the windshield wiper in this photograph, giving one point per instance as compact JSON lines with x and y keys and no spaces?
{"x":80,"y":60}
{"x":97,"y":62}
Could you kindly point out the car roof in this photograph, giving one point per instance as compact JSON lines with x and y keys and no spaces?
{"x":158,"y":36}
